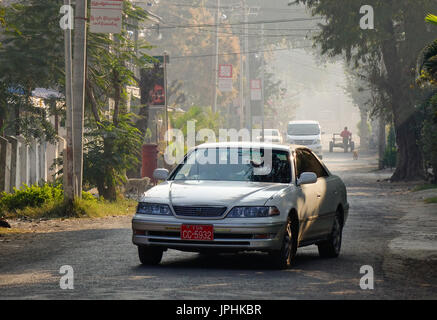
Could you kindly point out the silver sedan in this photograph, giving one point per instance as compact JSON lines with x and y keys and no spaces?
{"x":240,"y":197}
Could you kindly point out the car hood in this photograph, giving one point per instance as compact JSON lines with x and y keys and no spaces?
{"x":270,"y":137}
{"x":213,"y":193}
{"x":308,"y":137}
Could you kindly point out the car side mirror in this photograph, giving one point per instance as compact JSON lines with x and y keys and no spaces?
{"x":307,"y":178}
{"x":160,"y":174}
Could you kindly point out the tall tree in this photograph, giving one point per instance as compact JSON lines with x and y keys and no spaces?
{"x":427,"y":68}
{"x":113,"y":141}
{"x":30,"y":57}
{"x":399,"y":35}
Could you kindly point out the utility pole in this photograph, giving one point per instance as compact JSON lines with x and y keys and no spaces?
{"x":217,"y":22}
{"x":79,"y":67}
{"x":242,"y":109}
{"x":165,"y":62}
{"x":68,"y":156}
{"x":262,"y":82}
{"x":247,"y":67}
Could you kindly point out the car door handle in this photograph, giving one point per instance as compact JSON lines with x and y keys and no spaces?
{"x":319,"y":196}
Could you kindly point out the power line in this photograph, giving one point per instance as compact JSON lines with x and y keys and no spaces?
{"x":237,"y":53}
{"x":233,"y":7}
{"x":232,"y":24}
{"x":228,"y":34}
{"x":240,"y":30}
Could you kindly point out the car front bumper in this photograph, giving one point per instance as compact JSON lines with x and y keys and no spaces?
{"x":227,"y":237}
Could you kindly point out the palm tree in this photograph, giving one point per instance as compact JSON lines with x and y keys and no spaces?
{"x":428,"y":71}
{"x":431,"y":18}
{"x":428,"y":65}
{"x":428,"y":59}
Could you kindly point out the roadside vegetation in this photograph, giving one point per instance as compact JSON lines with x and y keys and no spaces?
{"x":47,"y":202}
{"x":28,"y":61}
{"x":431,"y":200}
{"x":424,"y":187}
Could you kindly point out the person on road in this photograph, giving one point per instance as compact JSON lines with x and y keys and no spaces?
{"x":346,"y":135}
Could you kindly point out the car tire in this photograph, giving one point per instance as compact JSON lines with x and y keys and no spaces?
{"x":284,"y":258}
{"x":149,"y":255}
{"x":331,"y":247}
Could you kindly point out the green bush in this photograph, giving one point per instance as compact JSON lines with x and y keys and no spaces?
{"x":34,"y":197}
{"x":88,"y":196}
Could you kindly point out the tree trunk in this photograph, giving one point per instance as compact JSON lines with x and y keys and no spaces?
{"x":142,"y":123}
{"x":381,"y":142}
{"x":106,"y":186}
{"x":364,"y":131}
{"x":409,"y":160}
{"x":108,"y":189}
{"x":2,"y":133}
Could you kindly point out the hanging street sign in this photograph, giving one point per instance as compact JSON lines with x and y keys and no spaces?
{"x":225,"y":78}
{"x":106,"y":16}
{"x":255,"y":90}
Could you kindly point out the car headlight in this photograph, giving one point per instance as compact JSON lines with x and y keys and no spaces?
{"x":253,"y":212}
{"x":153,"y":209}
{"x":316,"y":141}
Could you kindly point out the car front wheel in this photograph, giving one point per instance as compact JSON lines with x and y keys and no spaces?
{"x":149,"y":255}
{"x":284,"y":257}
{"x":331,"y":247}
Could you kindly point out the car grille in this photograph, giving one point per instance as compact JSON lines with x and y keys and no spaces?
{"x":206,"y":212}
{"x":303,"y":142}
{"x":200,"y":243}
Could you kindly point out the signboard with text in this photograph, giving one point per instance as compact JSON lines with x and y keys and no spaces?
{"x":225,"y":77}
{"x":255,"y":90}
{"x":106,"y":16}
{"x":153,"y":83}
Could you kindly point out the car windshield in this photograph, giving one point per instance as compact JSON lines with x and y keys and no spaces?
{"x":273,"y":133}
{"x":235,"y":164}
{"x":303,"y":129}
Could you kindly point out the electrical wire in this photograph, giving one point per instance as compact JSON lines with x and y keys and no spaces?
{"x":232,"y":24}
{"x":229,"y":34}
{"x":238,"y":53}
{"x":234,"y":7}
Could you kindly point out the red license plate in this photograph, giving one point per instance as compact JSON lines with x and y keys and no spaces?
{"x":197,"y":232}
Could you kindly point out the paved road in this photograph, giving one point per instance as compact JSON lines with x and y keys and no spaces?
{"x":106,"y":265}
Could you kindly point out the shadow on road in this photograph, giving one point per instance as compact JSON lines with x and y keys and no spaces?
{"x":249,"y":261}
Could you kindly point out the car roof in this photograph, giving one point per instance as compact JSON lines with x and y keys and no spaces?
{"x":251,"y":145}
{"x":304,"y":122}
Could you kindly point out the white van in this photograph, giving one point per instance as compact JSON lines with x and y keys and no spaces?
{"x":306,"y":133}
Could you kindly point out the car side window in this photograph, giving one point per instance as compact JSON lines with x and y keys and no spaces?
{"x":300,"y":163}
{"x":306,"y":162}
